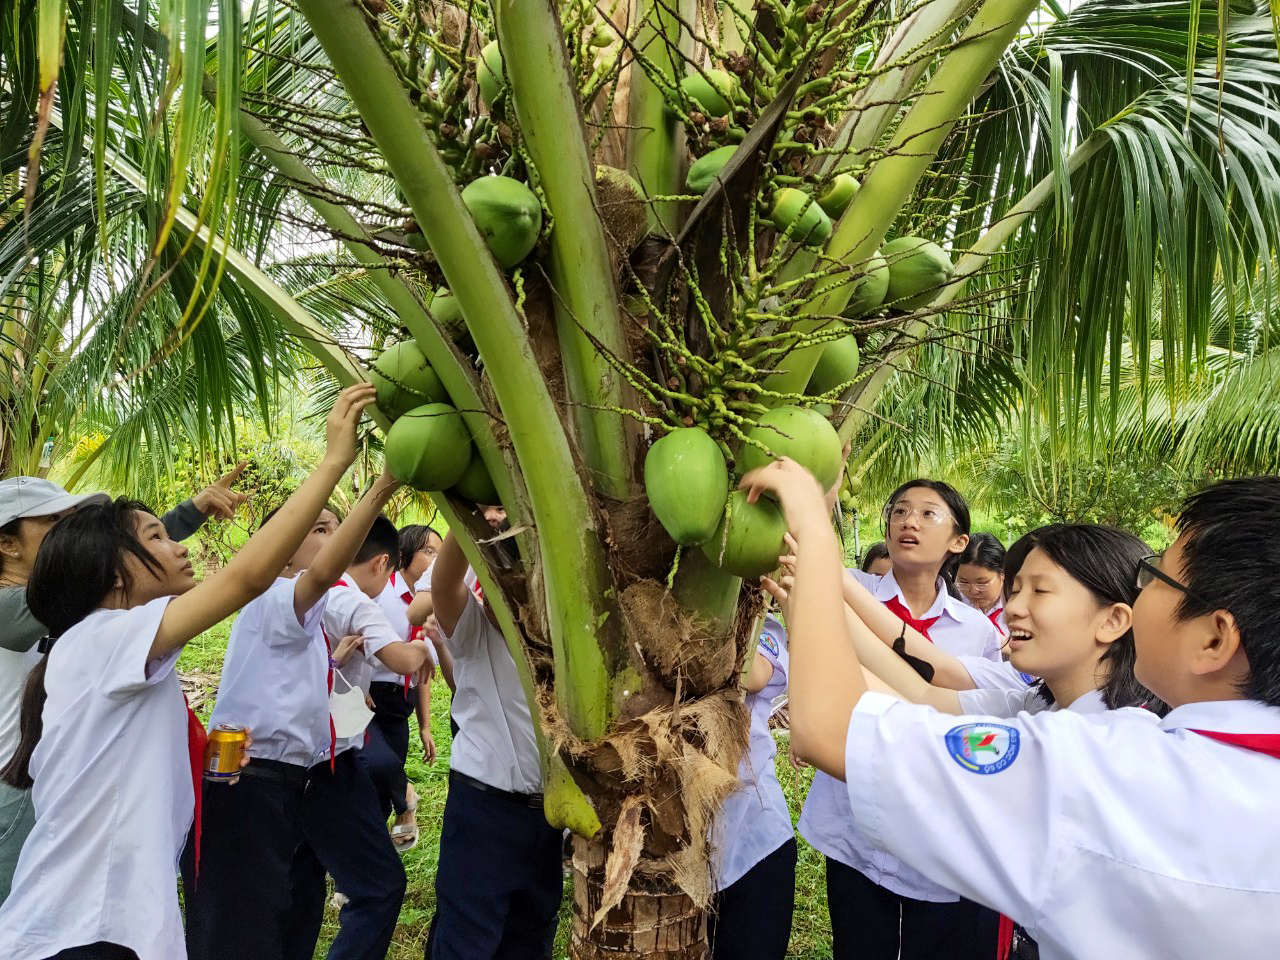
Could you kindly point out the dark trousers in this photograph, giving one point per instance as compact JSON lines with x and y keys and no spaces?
{"x":344,"y":835}
{"x":387,"y":749}
{"x":751,"y":918}
{"x":869,"y":922}
{"x":96,"y":951}
{"x":238,"y":905}
{"x":498,"y":882}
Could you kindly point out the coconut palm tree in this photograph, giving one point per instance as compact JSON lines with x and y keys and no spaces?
{"x":1094,"y":177}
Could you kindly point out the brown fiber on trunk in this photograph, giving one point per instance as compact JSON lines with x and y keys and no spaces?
{"x":654,"y":921}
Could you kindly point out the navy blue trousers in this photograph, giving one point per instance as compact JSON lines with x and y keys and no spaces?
{"x":869,"y":922}
{"x":238,"y":905}
{"x":345,"y":835}
{"x":387,"y":749}
{"x":499,"y":879}
{"x":751,"y":918}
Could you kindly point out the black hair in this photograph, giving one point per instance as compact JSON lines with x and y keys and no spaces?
{"x":1104,"y":561}
{"x":414,"y":538}
{"x":984,"y":550}
{"x":959,"y":514}
{"x":877,"y":551}
{"x":1231,"y":562}
{"x":382,"y":540}
{"x":77,"y":567}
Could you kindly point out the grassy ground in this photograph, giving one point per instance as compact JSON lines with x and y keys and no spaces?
{"x":810,"y":932}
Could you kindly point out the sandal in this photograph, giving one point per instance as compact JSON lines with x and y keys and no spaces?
{"x":405,"y":835}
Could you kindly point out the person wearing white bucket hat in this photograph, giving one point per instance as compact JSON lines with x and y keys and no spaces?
{"x":29,"y":508}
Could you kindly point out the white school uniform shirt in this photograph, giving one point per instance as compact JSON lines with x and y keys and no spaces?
{"x":495,"y":743}
{"x":349,"y":611}
{"x":113,"y":797}
{"x":15,"y":665}
{"x":396,"y":609}
{"x":275,"y":678}
{"x":826,"y":820}
{"x":1125,"y":839}
{"x":755,"y":821}
{"x":995,"y":674}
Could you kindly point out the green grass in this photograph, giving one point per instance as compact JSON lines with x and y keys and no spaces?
{"x":810,"y":931}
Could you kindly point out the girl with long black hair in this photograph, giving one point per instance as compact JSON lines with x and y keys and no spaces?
{"x":106,"y":737}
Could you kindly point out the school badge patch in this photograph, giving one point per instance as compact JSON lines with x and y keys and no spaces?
{"x":769,"y":642}
{"x":982,"y":747}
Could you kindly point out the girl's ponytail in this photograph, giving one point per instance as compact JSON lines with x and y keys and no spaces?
{"x":17,"y":772}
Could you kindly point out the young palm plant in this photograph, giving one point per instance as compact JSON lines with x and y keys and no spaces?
{"x":614,"y":237}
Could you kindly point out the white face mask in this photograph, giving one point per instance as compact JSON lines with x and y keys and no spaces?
{"x":348,"y":709}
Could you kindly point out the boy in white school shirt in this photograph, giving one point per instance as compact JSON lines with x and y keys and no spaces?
{"x":1129,"y":839}
{"x":498,"y":882}
{"x":275,"y":681}
{"x":343,"y":829}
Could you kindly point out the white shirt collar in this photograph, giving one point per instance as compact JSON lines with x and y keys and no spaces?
{"x":888,"y":588}
{"x":1090,"y":702}
{"x":1224,"y":716}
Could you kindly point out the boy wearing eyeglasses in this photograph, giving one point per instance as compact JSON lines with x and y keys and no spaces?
{"x":1132,"y":839}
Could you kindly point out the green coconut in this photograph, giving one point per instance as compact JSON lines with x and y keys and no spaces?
{"x":748,"y":540}
{"x":475,"y":484}
{"x":686,"y":479}
{"x":808,"y":222}
{"x":507,"y":213}
{"x":704,"y":170}
{"x":712,"y":90}
{"x":800,"y":433}
{"x":870,"y":289}
{"x":446,"y":310}
{"x":428,"y":448}
{"x":490,"y":75}
{"x":837,"y":365}
{"x":918,"y":269}
{"x":404,"y":380}
{"x":838,"y":195}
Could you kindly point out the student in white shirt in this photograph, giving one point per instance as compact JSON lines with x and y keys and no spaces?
{"x":498,"y":882}
{"x":114,"y":753}
{"x":344,"y":831}
{"x":1070,"y":600}
{"x":754,"y":864}
{"x":876,"y":902}
{"x":980,"y":577}
{"x":276,"y":680}
{"x":1128,"y":839}
{"x":29,"y":507}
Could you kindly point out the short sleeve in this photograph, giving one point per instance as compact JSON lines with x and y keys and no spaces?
{"x":993,"y":649}
{"x":922,"y":786}
{"x":999,"y":703}
{"x":994,"y":675}
{"x":772,"y":645}
{"x":469,"y":628}
{"x":20,"y":631}
{"x":114,"y":654}
{"x":868,"y":580}
{"x":280,"y":620}
{"x":368,"y":620}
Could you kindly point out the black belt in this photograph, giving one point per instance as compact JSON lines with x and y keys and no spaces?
{"x":276,"y":771}
{"x":532,"y":800}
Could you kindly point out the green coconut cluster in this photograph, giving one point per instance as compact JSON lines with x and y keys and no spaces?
{"x":686,"y":478}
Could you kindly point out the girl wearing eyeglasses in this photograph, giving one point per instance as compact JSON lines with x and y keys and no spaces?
{"x":880,"y":907}
{"x":980,"y":577}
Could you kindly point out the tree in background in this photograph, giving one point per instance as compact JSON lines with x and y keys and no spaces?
{"x":582,"y":228}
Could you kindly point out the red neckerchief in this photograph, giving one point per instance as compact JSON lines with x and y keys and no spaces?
{"x":1268,"y":743}
{"x":1004,"y":938}
{"x":197,"y":738}
{"x":994,"y":617}
{"x":899,"y":610}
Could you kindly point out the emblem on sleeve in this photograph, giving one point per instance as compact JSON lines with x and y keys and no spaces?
{"x":982,"y":747}
{"x":769,"y":642}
